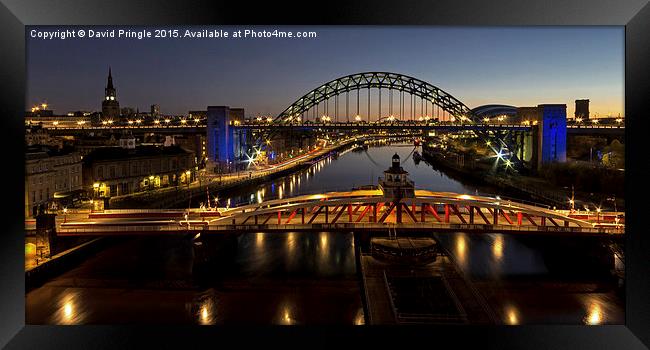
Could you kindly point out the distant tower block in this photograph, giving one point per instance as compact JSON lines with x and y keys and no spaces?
{"x":582,"y":109}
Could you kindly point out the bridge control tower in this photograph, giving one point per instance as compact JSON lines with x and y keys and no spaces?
{"x":396,"y":183}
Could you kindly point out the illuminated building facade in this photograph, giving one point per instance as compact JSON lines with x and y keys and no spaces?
{"x":51,"y":175}
{"x":115,"y":171}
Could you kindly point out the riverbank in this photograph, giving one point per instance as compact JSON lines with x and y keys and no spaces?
{"x":61,"y":262}
{"x":535,"y":189}
{"x":180,"y":195}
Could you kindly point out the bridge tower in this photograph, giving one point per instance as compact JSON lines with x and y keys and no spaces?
{"x":219,"y":135}
{"x":224,"y":144}
{"x":552,"y":133}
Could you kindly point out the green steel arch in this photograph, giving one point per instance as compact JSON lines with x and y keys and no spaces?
{"x":378,"y":80}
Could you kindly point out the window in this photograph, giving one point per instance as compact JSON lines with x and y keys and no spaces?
{"x":112,"y":172}
{"x":100,"y":172}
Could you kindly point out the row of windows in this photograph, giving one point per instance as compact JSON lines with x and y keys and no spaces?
{"x":40,"y":195}
{"x":145,"y":168}
{"x":44,"y":166}
{"x":49,"y":178}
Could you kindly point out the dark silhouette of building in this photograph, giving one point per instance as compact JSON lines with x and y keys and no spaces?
{"x":110,"y":106}
{"x":582,"y":109}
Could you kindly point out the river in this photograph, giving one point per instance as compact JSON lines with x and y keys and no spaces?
{"x":311,"y":278}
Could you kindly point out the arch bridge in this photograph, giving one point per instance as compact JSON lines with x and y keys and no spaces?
{"x":313,"y":111}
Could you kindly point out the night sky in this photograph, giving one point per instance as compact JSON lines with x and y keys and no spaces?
{"x":522,"y":66}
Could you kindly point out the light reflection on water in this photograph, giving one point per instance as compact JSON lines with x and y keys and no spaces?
{"x":594,"y":310}
{"x":461,"y":249}
{"x":304,"y":254}
{"x":207,"y":312}
{"x":359,"y":320}
{"x":512,"y":315}
{"x":69,"y":311}
{"x":285,"y":316}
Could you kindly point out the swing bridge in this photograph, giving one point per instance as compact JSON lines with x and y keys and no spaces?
{"x":358,"y":210}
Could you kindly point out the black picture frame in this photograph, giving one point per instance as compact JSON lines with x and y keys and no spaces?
{"x":633,"y":14}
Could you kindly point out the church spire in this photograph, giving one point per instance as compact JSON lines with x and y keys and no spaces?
{"x":109,"y":85}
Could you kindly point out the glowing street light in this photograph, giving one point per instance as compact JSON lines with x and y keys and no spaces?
{"x":357,"y":118}
{"x":578,"y":120}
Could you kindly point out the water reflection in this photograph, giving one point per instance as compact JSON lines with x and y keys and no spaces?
{"x":206,"y":312}
{"x":324,"y":246}
{"x":595,"y":314}
{"x":259,"y":240}
{"x":286,"y":316}
{"x":68,"y":311}
{"x":359,"y":319}
{"x":461,"y":249}
{"x":512,"y":315}
{"x":497,"y":247}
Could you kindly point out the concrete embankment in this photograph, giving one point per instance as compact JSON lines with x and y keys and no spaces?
{"x":62,"y":262}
